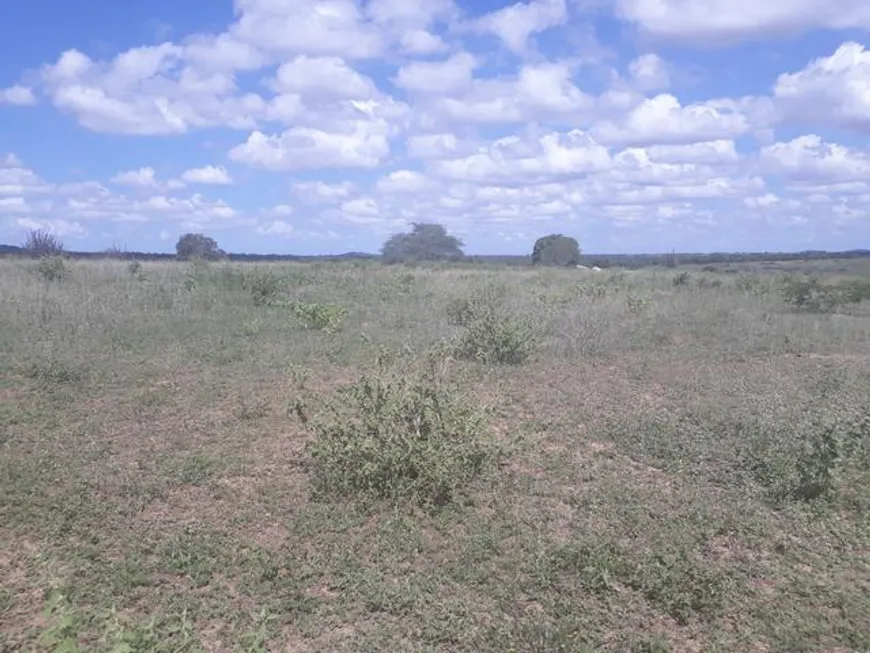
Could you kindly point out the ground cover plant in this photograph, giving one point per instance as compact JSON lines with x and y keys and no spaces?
{"x":345,"y":456}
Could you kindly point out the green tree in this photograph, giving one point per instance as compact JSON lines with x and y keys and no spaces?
{"x":556,"y":249}
{"x":198,"y":246}
{"x":425,"y":242}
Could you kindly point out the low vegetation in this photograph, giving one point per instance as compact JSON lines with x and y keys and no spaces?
{"x":218,"y":456}
{"x":398,"y":435}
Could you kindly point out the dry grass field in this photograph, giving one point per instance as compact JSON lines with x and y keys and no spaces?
{"x":351,"y":457}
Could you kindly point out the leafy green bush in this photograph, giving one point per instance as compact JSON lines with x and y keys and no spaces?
{"x":397,"y":437}
{"x":321,"y":317}
{"x":264,"y":286}
{"x":495,"y":338}
{"x":810,"y":294}
{"x":52,"y":268}
{"x":824,"y":460}
{"x":492,"y":334}
{"x":463,"y":311}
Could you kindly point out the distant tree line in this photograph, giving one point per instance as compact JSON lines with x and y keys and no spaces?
{"x":429,"y":242}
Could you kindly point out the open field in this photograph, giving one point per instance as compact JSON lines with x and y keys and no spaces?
{"x":632,"y":461}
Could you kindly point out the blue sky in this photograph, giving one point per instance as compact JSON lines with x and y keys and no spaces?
{"x":323,"y":126}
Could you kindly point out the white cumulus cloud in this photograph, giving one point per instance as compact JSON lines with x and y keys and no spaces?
{"x":213,"y":175}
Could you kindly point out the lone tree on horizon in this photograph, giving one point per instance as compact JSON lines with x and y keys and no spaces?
{"x":42,"y":242}
{"x":425,"y":242}
{"x":198,"y":246}
{"x":556,"y":249}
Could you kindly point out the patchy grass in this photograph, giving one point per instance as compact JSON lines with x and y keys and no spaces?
{"x":195,"y":460}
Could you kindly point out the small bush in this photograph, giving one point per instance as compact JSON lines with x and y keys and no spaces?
{"x":265,"y":287}
{"x":682,"y":280}
{"x":321,"y":317}
{"x":592,"y":290}
{"x":637,"y":305}
{"x":483,"y":302}
{"x":397,"y":437}
{"x":463,"y":311}
{"x":494,"y":338}
{"x":135,"y":270}
{"x":682,"y":585}
{"x":824,"y":460}
{"x":808,"y":293}
{"x":492,"y":335}
{"x":52,"y":268}
{"x":704,"y":283}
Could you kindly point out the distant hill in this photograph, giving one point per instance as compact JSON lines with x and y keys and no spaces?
{"x":9,"y":249}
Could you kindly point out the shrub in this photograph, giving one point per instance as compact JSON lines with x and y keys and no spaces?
{"x":682,"y":280}
{"x":810,"y":294}
{"x":52,"y":268}
{"x":322,"y":317}
{"x":491,"y":334}
{"x":135,"y":270}
{"x":40,"y":243}
{"x":823,"y":460}
{"x":264,"y":286}
{"x":397,"y":437}
{"x":464,"y":310}
{"x":637,"y":305}
{"x":592,"y":290}
{"x":494,"y":338}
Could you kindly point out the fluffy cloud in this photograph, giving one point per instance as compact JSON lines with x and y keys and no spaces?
{"x":62,"y":228}
{"x":403,"y":181}
{"x":514,"y":24}
{"x":664,"y":120}
{"x":83,"y":202}
{"x":147,"y":91}
{"x":322,"y":77}
{"x":538,"y":92}
{"x":830,"y":90}
{"x":18,"y":180}
{"x":210,"y":175}
{"x":18,"y":95}
{"x":515,"y":160}
{"x":726,"y":21}
{"x":363,"y":145}
{"x":319,"y":192}
{"x":809,"y":159}
{"x":276,"y":228}
{"x":649,"y":72}
{"x":438,"y":77}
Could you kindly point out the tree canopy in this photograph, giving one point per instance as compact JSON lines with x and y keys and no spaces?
{"x":425,"y":242}
{"x":198,"y":246}
{"x":556,"y":249}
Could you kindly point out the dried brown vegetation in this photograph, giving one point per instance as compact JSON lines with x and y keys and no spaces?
{"x":670,"y":465}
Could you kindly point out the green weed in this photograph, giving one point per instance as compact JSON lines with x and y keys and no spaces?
{"x":398,"y":437}
{"x":320,"y":317}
